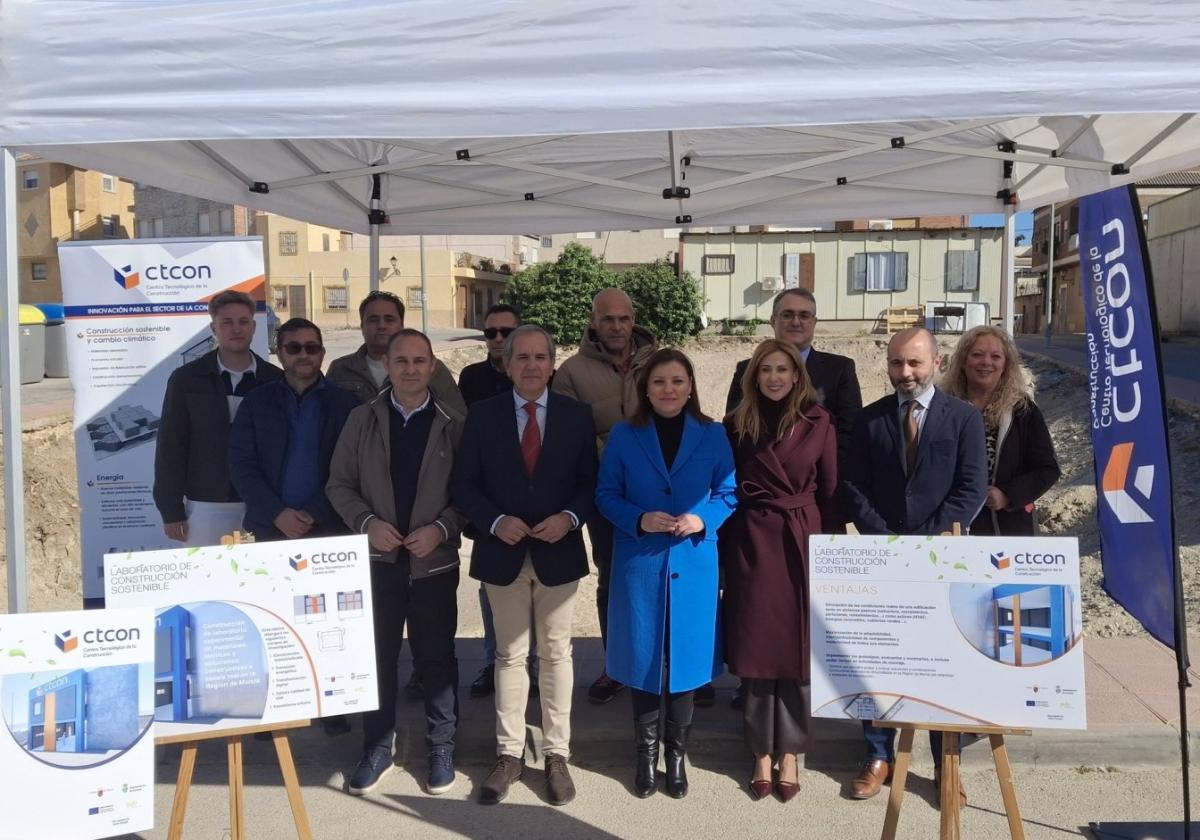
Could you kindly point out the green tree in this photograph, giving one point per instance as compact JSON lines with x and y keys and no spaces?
{"x":666,"y":303}
{"x":558,"y":296}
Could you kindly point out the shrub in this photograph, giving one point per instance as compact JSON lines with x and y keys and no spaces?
{"x":558,"y":296}
{"x":666,"y":304}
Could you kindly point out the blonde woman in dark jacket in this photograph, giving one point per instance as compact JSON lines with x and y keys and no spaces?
{"x":986,"y":371}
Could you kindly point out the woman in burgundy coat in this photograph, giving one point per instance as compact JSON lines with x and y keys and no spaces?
{"x":785,"y":449}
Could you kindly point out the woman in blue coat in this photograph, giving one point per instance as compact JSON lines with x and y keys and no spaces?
{"x":666,"y":483}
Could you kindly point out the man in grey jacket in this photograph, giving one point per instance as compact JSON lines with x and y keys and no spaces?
{"x":389,"y":479}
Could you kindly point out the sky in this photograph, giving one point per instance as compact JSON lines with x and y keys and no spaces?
{"x":1024,"y":223}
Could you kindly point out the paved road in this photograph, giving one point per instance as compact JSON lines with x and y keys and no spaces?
{"x":1181,"y":360}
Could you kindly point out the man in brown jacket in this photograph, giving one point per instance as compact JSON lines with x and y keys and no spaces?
{"x":603,"y":374}
{"x":389,"y":479}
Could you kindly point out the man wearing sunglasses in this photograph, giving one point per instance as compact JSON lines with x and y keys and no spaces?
{"x":381,"y":315}
{"x":283,"y":439}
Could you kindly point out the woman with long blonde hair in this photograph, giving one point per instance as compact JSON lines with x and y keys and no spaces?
{"x":785,"y":452}
{"x":986,"y":371}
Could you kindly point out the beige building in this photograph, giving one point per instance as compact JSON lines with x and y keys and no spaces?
{"x":619,"y":249}
{"x":58,"y":203}
{"x":855,"y":274}
{"x":317,"y":273}
{"x":1173,"y":240}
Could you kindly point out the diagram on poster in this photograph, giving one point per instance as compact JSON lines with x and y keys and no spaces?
{"x":78,"y":704}
{"x":983,"y":631}
{"x":243,"y":635}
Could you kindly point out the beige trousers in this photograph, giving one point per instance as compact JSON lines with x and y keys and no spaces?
{"x":550,"y":609}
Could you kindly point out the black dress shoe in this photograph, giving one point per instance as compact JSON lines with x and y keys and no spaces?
{"x":484,"y":684}
{"x":705,"y":696}
{"x":604,"y":689}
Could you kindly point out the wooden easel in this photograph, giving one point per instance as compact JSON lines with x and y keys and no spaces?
{"x":951,"y":809}
{"x":233,"y":747}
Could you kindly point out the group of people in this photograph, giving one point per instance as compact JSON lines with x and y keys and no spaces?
{"x":698,"y":528}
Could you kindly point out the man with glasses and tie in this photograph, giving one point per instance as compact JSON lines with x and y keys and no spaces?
{"x":192,"y":489}
{"x":525,"y":477}
{"x":478,"y":382}
{"x":917,"y":465}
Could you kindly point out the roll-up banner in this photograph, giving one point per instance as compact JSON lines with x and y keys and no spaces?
{"x":1128,"y":416}
{"x":136,"y":310}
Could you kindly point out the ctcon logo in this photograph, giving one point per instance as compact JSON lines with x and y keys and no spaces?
{"x":299,"y":562}
{"x":1001,"y":561}
{"x":1113,"y":483}
{"x":126,"y":277}
{"x":66,"y":641}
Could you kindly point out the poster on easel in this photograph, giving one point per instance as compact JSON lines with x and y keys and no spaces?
{"x":978,"y":631}
{"x":136,"y":310}
{"x":254,"y":633}
{"x":78,"y":708}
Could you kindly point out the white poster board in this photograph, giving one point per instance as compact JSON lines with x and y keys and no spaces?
{"x":77,"y":692}
{"x":136,"y":310}
{"x":983,"y":631}
{"x":254,"y":633}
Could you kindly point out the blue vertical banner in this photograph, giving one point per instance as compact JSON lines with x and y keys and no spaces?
{"x":1134,"y":504}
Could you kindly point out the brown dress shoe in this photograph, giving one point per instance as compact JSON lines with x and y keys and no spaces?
{"x":937,"y":790}
{"x":559,"y":788}
{"x":507,"y":770}
{"x":874,"y":773}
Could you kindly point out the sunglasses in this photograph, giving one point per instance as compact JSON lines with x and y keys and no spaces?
{"x":295,"y":348}
{"x":492,"y":332}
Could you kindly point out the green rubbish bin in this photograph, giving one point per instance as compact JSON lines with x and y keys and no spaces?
{"x":32,"y":343}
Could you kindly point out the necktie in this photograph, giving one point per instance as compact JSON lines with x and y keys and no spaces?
{"x":910,"y":435}
{"x":531,"y":439}
{"x":245,"y":384}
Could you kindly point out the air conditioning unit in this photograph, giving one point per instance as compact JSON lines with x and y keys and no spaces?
{"x":771,"y":283}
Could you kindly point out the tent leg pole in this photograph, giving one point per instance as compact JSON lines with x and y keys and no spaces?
{"x":376,"y":205}
{"x":1050,"y":282}
{"x":1008,"y":272}
{"x":424,"y":297}
{"x":10,"y":388}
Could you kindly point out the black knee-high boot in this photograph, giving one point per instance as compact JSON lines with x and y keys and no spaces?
{"x":676,"y":743}
{"x":645,"y":780}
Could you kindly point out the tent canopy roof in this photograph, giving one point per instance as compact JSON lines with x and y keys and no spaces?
{"x":765,"y":112}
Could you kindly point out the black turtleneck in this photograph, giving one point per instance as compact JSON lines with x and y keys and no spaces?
{"x":670,"y":433}
{"x":771,"y":412}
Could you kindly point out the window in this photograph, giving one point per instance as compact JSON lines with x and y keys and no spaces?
{"x":145,"y":229}
{"x":29,"y":179}
{"x":108,"y":226}
{"x":37,"y":272}
{"x":416,"y":300}
{"x":108,"y":183}
{"x":324,"y":241}
{"x":225,"y":220}
{"x":672,"y":233}
{"x":287,"y":243}
{"x":717,"y":264}
{"x":203,"y":224}
{"x":962,"y":271}
{"x":336,"y":298}
{"x":279,"y":299}
{"x":883,"y":272}
{"x":589,"y":234}
{"x":547,"y":241}
{"x":158,"y":229}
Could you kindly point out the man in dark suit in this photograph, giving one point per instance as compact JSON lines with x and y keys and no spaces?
{"x":525,"y":476}
{"x":794,"y":319}
{"x":917,"y":465}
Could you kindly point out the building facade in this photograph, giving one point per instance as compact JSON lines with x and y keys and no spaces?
{"x":162,"y":213}
{"x":856,"y":275}
{"x":1173,"y":240}
{"x":59,"y":203}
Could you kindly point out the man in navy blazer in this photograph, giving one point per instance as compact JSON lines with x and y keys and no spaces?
{"x":525,"y":476}
{"x":917,"y":464}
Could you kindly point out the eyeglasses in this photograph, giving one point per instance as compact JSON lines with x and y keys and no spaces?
{"x":492,"y":332}
{"x":295,"y":348}
{"x":796,"y":315}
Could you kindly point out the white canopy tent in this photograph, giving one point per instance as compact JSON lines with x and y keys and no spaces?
{"x":563,"y":115}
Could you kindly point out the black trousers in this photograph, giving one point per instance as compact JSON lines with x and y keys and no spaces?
{"x":776,"y":715}
{"x":429,"y":606}
{"x":600,"y":533}
{"x":646,"y":706}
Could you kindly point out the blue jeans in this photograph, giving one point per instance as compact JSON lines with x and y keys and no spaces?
{"x":489,"y":635}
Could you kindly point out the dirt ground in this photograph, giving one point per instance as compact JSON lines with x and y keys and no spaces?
{"x":52,"y":508}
